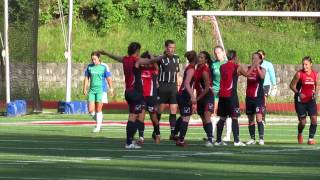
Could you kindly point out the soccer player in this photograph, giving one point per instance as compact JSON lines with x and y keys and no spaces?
{"x":220,"y":58}
{"x":149,"y":74}
{"x":107,"y":86}
{"x":228,"y":105}
{"x":96,"y":74}
{"x":168,"y":83}
{"x":186,"y":98}
{"x":205,"y":98}
{"x":305,"y":86}
{"x":270,"y":82}
{"x":255,"y":98}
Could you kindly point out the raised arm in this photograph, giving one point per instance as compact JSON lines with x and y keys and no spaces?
{"x":112,"y":56}
{"x":149,"y":61}
{"x":261,"y":72}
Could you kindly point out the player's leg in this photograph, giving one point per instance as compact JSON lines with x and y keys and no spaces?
{"x":223,"y":114}
{"x":214,"y":118}
{"x":301,"y":111}
{"x":183,"y":128}
{"x":312,"y":111}
{"x":140,"y":127}
{"x":91,"y":105}
{"x":99,"y":114}
{"x":173,"y":105}
{"x":250,"y":111}
{"x":260,"y":127}
{"x":234,"y":114}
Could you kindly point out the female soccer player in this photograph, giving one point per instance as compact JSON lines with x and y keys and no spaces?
{"x":304,"y":85}
{"x":205,"y":98}
{"x":255,"y":98}
{"x":185,"y":97}
{"x":149,"y":81}
{"x":228,"y":105}
{"x":96,"y":74}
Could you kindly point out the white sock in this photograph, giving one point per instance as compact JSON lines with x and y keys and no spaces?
{"x":228,"y":127}
{"x":99,"y":119}
{"x":214,"y":121}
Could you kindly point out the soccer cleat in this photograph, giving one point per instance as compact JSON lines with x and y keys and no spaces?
{"x":311,"y":142}
{"x":96,"y":129}
{"x":261,"y":142}
{"x":220,"y":143}
{"x":157,"y":139}
{"x":239,"y":144}
{"x":300,"y":139}
{"x":226,"y":139}
{"x":132,"y":146}
{"x":181,"y":143}
{"x":208,"y":144}
{"x":251,"y":141}
{"x":140,"y":141}
{"x":173,"y":137}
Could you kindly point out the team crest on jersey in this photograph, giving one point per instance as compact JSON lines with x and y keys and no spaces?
{"x":210,"y":106}
{"x":237,"y":110}
{"x":138,"y":107}
{"x":152,"y":109}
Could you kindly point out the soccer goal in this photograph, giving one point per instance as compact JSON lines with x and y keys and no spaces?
{"x":286,"y":37}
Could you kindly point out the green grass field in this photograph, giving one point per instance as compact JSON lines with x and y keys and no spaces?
{"x":73,"y":152}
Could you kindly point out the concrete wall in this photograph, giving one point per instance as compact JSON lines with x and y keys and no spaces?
{"x":53,"y":75}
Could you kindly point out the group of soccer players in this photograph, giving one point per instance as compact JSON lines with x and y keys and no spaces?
{"x":151,"y":82}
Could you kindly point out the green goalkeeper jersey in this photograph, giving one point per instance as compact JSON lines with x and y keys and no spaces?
{"x":215,"y":66}
{"x":97,"y":74}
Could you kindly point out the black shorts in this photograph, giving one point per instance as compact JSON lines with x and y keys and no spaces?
{"x":167,"y":93}
{"x":306,"y":109}
{"x":205,"y":104}
{"x":228,"y":107}
{"x":185,"y":105}
{"x":255,"y":105}
{"x":151,"y":104}
{"x":135,"y":101}
{"x":266,"y":90}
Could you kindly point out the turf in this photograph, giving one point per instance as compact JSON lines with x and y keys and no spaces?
{"x":73,"y":152}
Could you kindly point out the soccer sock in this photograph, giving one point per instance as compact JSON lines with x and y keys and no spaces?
{"x":208,"y":129}
{"x":93,"y":115}
{"x":177,"y":126}
{"x":99,"y":117}
{"x":131,"y":129}
{"x":159,"y":116}
{"x":214,"y":125}
{"x":261,"y":129}
{"x":183,"y":130}
{"x":300,"y":128}
{"x":220,"y":126}
{"x":235,"y":130}
{"x":156,"y":130}
{"x":312,"y":130}
{"x":252,"y":131}
{"x":140,"y":127}
{"x":229,"y":127}
{"x":172,"y":121}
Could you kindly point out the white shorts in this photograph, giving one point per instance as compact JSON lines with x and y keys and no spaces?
{"x":105,"y":97}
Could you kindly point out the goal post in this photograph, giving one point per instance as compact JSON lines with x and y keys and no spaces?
{"x":191,"y":14}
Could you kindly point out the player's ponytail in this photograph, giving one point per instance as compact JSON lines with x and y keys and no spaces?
{"x":191,"y":56}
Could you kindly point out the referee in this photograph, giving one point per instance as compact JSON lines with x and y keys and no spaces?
{"x":168,"y":83}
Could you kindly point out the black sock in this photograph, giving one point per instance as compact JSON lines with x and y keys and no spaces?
{"x":183,"y":130}
{"x":208,"y":129}
{"x":252,"y":131}
{"x":177,"y":126}
{"x":156,"y":130}
{"x":220,"y":126}
{"x":172,"y":121}
{"x":300,"y":128}
{"x":264,"y":114}
{"x":140,"y":127}
{"x":312,"y":130}
{"x":235,"y":130}
{"x":159,"y":116}
{"x":131,"y":129}
{"x":261,"y":129}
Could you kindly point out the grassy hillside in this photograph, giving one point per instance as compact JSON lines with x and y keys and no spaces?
{"x":285,"y":41}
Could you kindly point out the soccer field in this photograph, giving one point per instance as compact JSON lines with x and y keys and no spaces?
{"x":30,"y":149}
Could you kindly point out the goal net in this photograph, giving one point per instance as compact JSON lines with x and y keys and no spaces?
{"x":285,"y":37}
{"x":22,"y":32}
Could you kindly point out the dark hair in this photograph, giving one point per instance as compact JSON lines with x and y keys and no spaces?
{"x":95,"y":53}
{"x":307,"y":58}
{"x":146,"y":54}
{"x":133,"y":48}
{"x":209,"y":61}
{"x":169,"y":41}
{"x":191,"y":56}
{"x":218,"y":47}
{"x":259,"y":55}
{"x":262,"y":52}
{"x":231,"y":54}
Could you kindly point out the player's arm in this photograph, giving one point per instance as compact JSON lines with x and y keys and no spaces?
{"x":294,"y":82}
{"x":189,"y":89}
{"x":261,"y":72}
{"x":317,"y":86}
{"x":149,"y":61}
{"x":85,"y":85}
{"x":112,"y":56}
{"x":242,"y":70}
{"x":110,"y":84}
{"x":205,"y":76}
